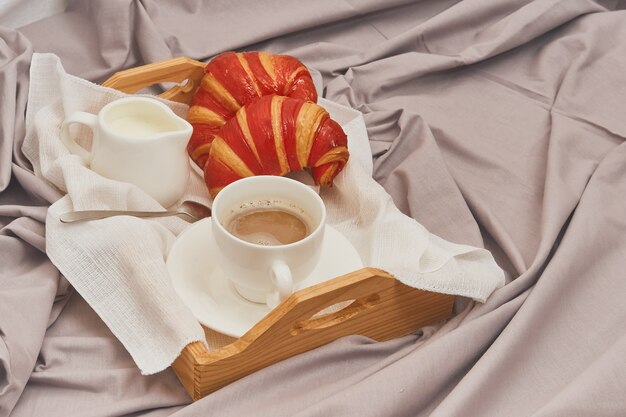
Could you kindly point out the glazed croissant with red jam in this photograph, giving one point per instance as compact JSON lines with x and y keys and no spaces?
{"x":274,"y":135}
{"x":231,"y":80}
{"x":255,"y":113}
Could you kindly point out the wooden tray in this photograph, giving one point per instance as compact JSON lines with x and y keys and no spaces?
{"x":382,"y":308}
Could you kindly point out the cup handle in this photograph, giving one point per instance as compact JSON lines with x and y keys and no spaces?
{"x":281,"y":276}
{"x":87,"y":119}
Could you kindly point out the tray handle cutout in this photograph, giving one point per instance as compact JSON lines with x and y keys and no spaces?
{"x":321,"y":320}
{"x":383,"y":308}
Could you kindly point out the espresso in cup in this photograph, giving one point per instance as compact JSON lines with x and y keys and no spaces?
{"x":269,"y":222}
{"x":269,"y":231}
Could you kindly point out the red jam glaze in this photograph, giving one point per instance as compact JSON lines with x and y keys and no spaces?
{"x":232,"y":135}
{"x":303,"y":88}
{"x":318,"y":172}
{"x":201,"y":135}
{"x":218,"y":175}
{"x":284,"y":68}
{"x":264,"y":81}
{"x":300,"y":87}
{"x":258,"y":114}
{"x":328,"y":136}
{"x":205,"y":99}
{"x":227,"y":69}
{"x":289,"y":111}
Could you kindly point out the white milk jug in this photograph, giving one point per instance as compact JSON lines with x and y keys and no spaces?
{"x":138,"y":140}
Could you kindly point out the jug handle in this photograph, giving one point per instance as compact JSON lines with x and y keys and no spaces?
{"x":87,"y":119}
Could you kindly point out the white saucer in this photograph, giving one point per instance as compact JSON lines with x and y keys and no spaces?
{"x":193,"y":265}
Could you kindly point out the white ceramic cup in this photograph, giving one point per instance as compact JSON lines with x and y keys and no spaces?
{"x":267,"y":274}
{"x":138,"y":140}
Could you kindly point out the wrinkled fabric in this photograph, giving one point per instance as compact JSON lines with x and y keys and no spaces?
{"x":494,"y":124}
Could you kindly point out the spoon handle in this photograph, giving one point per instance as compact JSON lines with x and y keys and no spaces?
{"x":77,"y":216}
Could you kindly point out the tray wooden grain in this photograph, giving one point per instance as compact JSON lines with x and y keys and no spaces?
{"x":380,"y":307}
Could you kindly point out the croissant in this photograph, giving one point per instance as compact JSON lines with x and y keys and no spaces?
{"x":232,"y":80}
{"x":274,"y":135}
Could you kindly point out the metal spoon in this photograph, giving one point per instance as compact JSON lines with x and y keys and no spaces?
{"x":188,"y":210}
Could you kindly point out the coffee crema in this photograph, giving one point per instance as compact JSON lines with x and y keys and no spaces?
{"x":271,"y":226}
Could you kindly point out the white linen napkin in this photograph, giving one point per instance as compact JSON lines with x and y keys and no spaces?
{"x":118,"y":264}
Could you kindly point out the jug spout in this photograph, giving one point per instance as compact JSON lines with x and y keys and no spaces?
{"x":176,"y":130}
{"x":180,"y":138}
